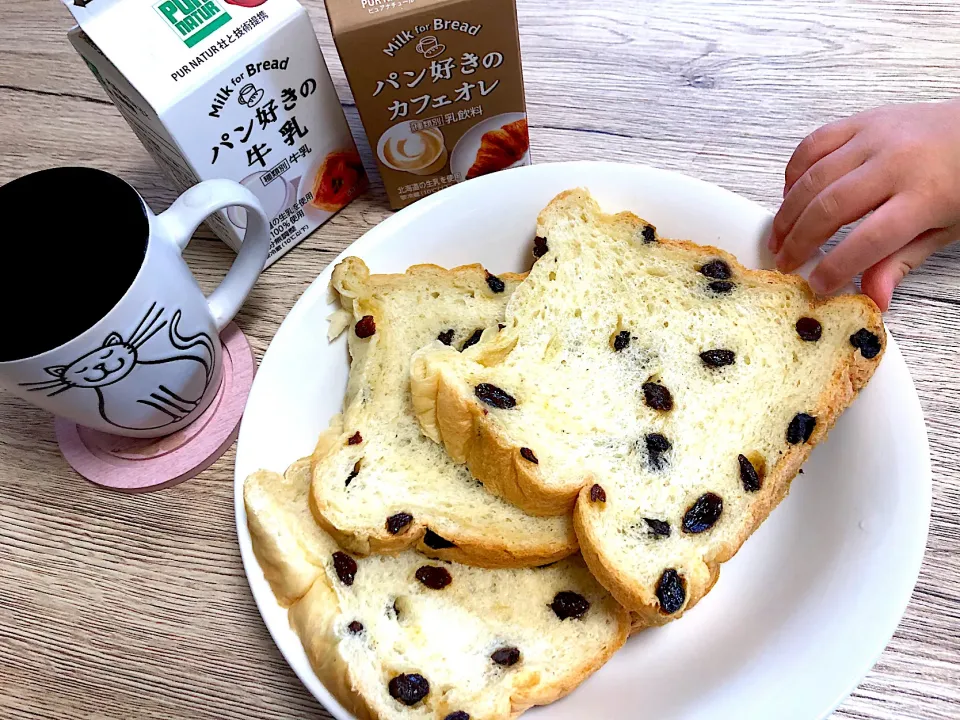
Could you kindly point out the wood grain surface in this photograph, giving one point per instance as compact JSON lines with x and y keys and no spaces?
{"x":117,"y":606}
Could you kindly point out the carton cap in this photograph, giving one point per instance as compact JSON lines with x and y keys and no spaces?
{"x":148,"y":40}
{"x":347,"y":15}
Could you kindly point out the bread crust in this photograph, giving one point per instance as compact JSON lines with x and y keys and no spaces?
{"x":355,"y":285}
{"x":471,"y":437}
{"x":312,"y":619}
{"x":491,"y":457}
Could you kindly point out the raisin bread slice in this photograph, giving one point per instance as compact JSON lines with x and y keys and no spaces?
{"x":408,"y":638}
{"x":664,"y":390}
{"x":378,"y":484}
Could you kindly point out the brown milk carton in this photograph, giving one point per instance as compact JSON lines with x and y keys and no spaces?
{"x":234,"y":89}
{"x":439,"y":87}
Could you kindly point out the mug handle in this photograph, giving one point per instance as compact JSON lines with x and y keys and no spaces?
{"x":182,"y":219}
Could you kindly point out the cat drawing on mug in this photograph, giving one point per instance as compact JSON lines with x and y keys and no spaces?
{"x":120,"y":367}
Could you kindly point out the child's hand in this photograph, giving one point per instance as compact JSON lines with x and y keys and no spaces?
{"x":903,"y":161}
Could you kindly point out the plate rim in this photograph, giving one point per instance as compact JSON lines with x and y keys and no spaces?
{"x":318,"y":291}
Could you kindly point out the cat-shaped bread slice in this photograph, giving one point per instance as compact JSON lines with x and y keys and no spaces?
{"x":408,"y":638}
{"x":378,"y":484}
{"x":658,"y":389}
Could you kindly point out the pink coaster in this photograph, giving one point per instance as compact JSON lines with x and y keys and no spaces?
{"x":145,"y":464}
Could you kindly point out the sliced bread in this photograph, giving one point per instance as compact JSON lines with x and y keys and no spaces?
{"x":661,"y":389}
{"x":378,"y":484}
{"x":406,"y":638}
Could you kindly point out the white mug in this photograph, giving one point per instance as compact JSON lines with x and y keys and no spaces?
{"x":112,"y":331}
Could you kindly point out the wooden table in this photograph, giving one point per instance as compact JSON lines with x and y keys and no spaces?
{"x":117,"y":606}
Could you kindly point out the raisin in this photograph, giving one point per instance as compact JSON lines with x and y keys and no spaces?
{"x":800,"y":428}
{"x":458,"y":715}
{"x":748,"y":474}
{"x":355,"y":439}
{"x":717,"y":270}
{"x":495,"y":283}
{"x":703,"y":514}
{"x":658,"y":528}
{"x":621,"y":340}
{"x":409,"y":689}
{"x":435,"y":542}
{"x":494,"y":396}
{"x":345,"y":566}
{"x":540,"y":247}
{"x":435,"y":578}
{"x":598,"y":494}
{"x":649,"y":233}
{"x":506,"y":656}
{"x":446,"y":337}
{"x":800,"y":471}
{"x":355,"y":628}
{"x":568,"y":604}
{"x":528,"y":455}
{"x":671,"y":591}
{"x":365,"y":327}
{"x":657,"y":447}
{"x":809,"y":329}
{"x":472,"y":340}
{"x":657,"y":397}
{"x":718,"y":358}
{"x":721,"y":287}
{"x":353,"y":473}
{"x":867,"y":342}
{"x":396,"y":523}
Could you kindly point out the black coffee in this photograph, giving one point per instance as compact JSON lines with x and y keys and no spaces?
{"x":73,"y":242}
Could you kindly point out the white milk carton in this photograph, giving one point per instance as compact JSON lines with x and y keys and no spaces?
{"x":233,"y":89}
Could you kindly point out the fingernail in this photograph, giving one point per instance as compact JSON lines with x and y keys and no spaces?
{"x":818,"y":285}
{"x":785,"y":190}
{"x":784,"y":262}
{"x":772,"y":242}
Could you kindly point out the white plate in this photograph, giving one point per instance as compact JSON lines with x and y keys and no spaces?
{"x":798,"y":616}
{"x":465,"y":152}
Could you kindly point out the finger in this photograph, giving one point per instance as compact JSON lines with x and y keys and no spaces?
{"x":890,"y":228}
{"x":848,"y":199}
{"x":818,"y":178}
{"x":880,"y":280}
{"x":818,"y":145}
